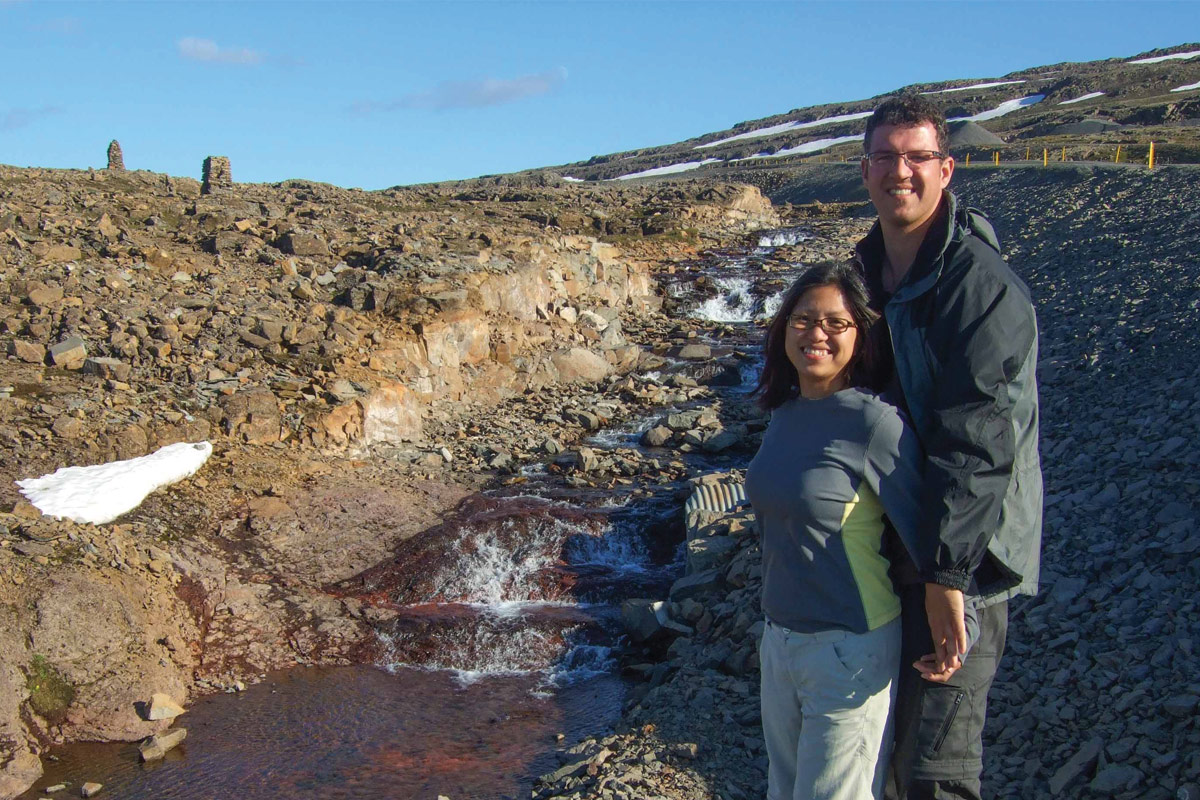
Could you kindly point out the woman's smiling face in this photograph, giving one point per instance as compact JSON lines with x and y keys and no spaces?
{"x":821,"y":358}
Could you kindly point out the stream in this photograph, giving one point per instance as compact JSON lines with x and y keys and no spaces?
{"x":498,"y":629}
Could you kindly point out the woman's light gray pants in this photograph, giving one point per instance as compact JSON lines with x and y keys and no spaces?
{"x":826,"y":702}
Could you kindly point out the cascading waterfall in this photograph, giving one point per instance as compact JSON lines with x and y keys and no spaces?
{"x":771,"y":305}
{"x":511,"y":585}
{"x":740,"y":297}
{"x":735,"y":303}
{"x":783,"y":238}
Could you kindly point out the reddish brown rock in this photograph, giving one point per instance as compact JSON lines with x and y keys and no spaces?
{"x":45,"y":296}
{"x":107,"y":368}
{"x":303,"y":244}
{"x":69,"y":354}
{"x":252,"y":416}
{"x":29,"y":352}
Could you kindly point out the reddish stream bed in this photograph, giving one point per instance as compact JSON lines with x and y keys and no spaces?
{"x":354,"y":732}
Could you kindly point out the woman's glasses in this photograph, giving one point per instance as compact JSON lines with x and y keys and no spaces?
{"x":831,"y":325}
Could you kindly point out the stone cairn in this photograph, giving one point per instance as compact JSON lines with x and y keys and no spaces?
{"x":218,"y":176}
{"x":116,"y":161}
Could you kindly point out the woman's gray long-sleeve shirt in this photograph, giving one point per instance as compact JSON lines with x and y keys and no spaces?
{"x":826,"y":474}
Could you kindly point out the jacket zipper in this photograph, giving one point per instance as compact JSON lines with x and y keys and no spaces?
{"x":941,"y":737}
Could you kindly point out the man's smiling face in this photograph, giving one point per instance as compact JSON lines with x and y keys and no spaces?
{"x":906,"y":196}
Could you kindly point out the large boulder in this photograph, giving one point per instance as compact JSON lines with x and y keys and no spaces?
{"x":391,"y":414}
{"x":118,"y":657}
{"x":645,"y":620}
{"x":578,"y":365}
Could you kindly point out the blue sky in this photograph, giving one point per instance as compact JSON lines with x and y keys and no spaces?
{"x":383,"y":93}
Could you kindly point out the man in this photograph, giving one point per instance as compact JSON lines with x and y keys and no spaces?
{"x":962,"y":330}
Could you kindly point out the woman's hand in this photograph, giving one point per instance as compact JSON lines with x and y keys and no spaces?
{"x":927,"y":666}
{"x":944,"y":607}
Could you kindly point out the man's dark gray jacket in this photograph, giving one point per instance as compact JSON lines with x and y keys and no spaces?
{"x":964,"y":338}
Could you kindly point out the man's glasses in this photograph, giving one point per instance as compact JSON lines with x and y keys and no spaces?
{"x":831,"y":325}
{"x":914,"y":158}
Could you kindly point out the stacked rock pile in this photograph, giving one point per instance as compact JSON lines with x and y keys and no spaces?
{"x":116,"y":161}
{"x":218,"y":175}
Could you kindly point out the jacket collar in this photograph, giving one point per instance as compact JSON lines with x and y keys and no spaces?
{"x":927,"y":267}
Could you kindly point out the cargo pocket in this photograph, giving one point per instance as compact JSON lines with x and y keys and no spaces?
{"x":941,"y":707}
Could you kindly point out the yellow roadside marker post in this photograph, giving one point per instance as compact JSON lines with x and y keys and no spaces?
{"x":1045,"y":157}
{"x":997,"y":159}
{"x":968,"y":160}
{"x":1026,"y":153}
{"x":1151,"y":161}
{"x":1064,"y":154}
{"x":1117,"y":158}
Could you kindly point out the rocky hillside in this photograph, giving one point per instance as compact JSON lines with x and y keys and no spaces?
{"x":1088,"y":108}
{"x":361,"y":361}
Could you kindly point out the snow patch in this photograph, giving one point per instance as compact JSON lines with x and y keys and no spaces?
{"x":1006,"y":107}
{"x":1171,"y":57}
{"x":569,"y":179}
{"x":974,"y":86}
{"x":103,"y":492}
{"x":806,"y":147}
{"x":667,"y":170}
{"x":1081,"y":98}
{"x":1187,"y":88}
{"x":786,"y":126}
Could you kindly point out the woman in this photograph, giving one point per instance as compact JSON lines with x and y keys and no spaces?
{"x":836,"y":465}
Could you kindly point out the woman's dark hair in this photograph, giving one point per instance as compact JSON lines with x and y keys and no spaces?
{"x":778,"y":382}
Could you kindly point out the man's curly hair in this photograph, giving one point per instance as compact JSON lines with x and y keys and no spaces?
{"x":908,"y":110}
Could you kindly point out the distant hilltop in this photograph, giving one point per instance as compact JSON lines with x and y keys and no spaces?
{"x":1087,"y":108}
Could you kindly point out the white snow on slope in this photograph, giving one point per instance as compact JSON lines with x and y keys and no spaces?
{"x":1187,"y":88}
{"x":103,"y":492}
{"x":1006,"y":107}
{"x":974,"y":86}
{"x":1081,"y":98}
{"x":786,"y":126}
{"x":569,"y":179}
{"x":806,"y":147}
{"x":667,"y":170}
{"x":1172,"y":57}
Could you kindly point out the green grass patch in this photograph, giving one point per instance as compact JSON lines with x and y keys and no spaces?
{"x":50,"y":694}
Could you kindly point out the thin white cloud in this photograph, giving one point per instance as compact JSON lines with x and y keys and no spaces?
{"x":20,"y":117}
{"x":196,"y":49}
{"x":473,"y":94}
